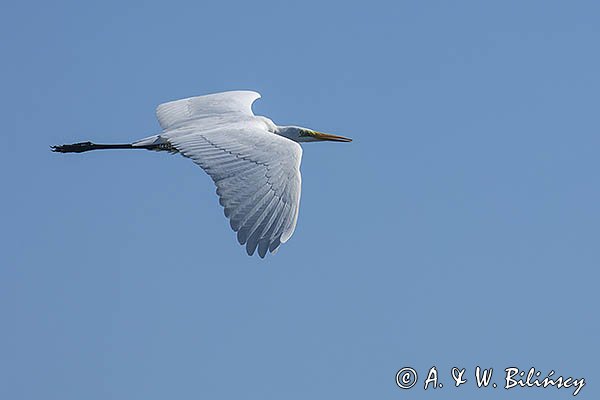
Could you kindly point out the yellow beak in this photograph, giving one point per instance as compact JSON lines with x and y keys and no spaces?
{"x":327,"y":136}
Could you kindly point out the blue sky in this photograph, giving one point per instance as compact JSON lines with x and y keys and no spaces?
{"x":460,"y":228}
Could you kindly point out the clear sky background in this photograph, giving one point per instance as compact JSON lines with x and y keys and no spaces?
{"x":460,"y":228}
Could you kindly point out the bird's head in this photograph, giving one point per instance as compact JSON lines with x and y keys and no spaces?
{"x":299,"y":134}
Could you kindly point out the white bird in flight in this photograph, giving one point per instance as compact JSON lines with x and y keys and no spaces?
{"x":254,"y":163}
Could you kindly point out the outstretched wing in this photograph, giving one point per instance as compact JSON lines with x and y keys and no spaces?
{"x":226,"y":106}
{"x":257,"y":174}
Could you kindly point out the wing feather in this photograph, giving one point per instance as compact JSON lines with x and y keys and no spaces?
{"x":257,"y":175}
{"x":213,"y":107}
{"x":256,"y":172}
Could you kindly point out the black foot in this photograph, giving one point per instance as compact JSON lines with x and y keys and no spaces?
{"x":73,"y":148}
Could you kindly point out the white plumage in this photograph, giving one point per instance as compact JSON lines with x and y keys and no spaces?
{"x":254,"y":163}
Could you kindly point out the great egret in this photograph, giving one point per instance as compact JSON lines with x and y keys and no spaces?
{"x":254,"y":163}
